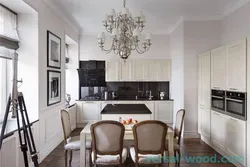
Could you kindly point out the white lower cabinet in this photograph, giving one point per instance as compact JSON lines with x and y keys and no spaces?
{"x":229,"y":135}
{"x":236,"y":138}
{"x":88,"y":111}
{"x":164,"y":111}
{"x":205,"y":122}
{"x":218,"y":130}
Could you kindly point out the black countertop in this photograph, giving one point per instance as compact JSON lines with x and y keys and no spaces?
{"x":11,"y":126}
{"x":126,"y":109}
{"x":125,"y":99}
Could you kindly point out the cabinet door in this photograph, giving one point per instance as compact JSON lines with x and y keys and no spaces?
{"x":205,"y":122}
{"x":164,"y":111}
{"x":154,"y":70}
{"x":218,"y":130}
{"x":236,"y":137}
{"x":204,"y":80}
{"x":236,"y":66}
{"x":141,"y":70}
{"x":126,"y":69}
{"x":90,"y":111}
{"x":112,"y":70}
{"x":165,"y":70}
{"x":218,"y":68}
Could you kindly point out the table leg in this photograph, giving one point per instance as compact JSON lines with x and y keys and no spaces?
{"x":171,"y":149}
{"x":83,"y":150}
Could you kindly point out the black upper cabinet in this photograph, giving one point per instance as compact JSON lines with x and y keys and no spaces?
{"x":92,"y":65}
{"x":92,"y":73}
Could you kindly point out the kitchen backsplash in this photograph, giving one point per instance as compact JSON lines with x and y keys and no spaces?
{"x":128,"y":89}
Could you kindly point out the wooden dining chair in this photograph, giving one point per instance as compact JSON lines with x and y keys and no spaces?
{"x":107,"y":146}
{"x":178,"y":127}
{"x":149,"y":138}
{"x":71,"y":143}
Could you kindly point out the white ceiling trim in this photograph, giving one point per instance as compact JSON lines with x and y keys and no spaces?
{"x":207,"y":18}
{"x":60,"y":11}
{"x":231,"y":10}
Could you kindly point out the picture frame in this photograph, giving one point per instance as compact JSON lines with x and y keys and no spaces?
{"x":53,"y":87}
{"x":53,"y":50}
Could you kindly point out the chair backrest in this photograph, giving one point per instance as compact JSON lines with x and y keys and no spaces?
{"x":150,"y":137}
{"x":66,"y":124}
{"x":179,"y":120}
{"x":107,"y":138}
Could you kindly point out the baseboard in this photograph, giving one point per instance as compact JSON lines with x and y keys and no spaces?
{"x":188,"y":135}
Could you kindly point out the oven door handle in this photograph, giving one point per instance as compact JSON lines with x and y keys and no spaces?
{"x":218,"y":97}
{"x":235,"y":100}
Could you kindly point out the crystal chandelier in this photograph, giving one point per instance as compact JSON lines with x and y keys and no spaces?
{"x":125,"y":32}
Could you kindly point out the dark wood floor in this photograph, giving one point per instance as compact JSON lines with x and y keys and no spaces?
{"x":190,"y":147}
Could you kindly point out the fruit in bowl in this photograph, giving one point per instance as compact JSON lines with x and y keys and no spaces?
{"x":127,"y":122}
{"x":123,"y":122}
{"x":130,"y":120}
{"x":135,"y":121}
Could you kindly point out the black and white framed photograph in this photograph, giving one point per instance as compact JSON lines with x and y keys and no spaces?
{"x":54,"y":87}
{"x":53,"y":50}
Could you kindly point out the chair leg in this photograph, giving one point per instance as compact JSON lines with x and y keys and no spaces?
{"x":90,"y":159}
{"x":179,"y":157}
{"x":66,"y":158}
{"x":71,"y":157}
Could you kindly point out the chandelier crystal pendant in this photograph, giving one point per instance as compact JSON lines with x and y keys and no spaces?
{"x":125,"y":32}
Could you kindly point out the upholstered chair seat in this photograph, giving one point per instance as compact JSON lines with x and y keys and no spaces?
{"x":110,"y":159}
{"x":107,"y":146}
{"x":150,"y":138}
{"x":144,"y":158}
{"x":71,"y":143}
{"x":178,"y":127}
{"x":74,"y":143}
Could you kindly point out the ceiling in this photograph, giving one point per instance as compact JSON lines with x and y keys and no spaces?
{"x":162,"y":15}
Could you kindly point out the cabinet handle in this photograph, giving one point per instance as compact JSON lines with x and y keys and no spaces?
{"x":89,"y":102}
{"x":235,"y":100}
{"x":234,"y":120}
{"x":218,"y":97}
{"x":215,"y":87}
{"x":233,"y":89}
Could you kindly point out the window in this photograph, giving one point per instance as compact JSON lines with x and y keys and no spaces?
{"x":8,"y":44}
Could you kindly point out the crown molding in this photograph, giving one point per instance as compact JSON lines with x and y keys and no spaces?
{"x":232,"y":9}
{"x":64,"y":15}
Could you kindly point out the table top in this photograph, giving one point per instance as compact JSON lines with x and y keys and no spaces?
{"x":87,"y":131}
{"x":126,"y":109}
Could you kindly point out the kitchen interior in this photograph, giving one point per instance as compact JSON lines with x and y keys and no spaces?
{"x":198,"y":61}
{"x":120,"y":82}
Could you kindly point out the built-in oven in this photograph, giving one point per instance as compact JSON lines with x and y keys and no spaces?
{"x":236,"y":105}
{"x":218,"y":100}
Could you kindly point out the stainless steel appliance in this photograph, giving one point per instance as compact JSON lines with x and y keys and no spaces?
{"x":218,"y":100}
{"x":236,"y":104}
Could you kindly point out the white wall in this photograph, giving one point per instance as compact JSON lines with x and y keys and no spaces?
{"x":28,"y":61}
{"x":199,"y":37}
{"x":72,"y":81}
{"x":236,"y":26}
{"x":177,"y":56}
{"x":49,"y":117}
{"x":89,"y":49}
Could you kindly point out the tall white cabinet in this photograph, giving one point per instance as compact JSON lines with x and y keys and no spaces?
{"x":236,"y":66}
{"x":204,"y":91}
{"x":224,"y":69}
{"x":218,"y":68}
